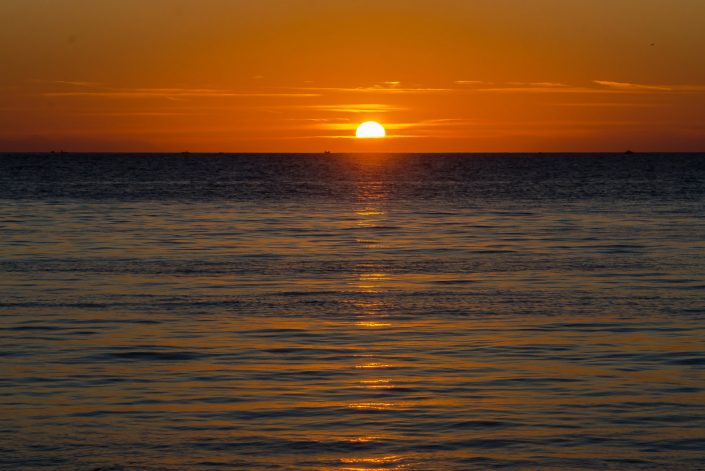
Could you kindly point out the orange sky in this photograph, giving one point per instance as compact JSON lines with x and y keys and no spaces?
{"x":299,"y":75}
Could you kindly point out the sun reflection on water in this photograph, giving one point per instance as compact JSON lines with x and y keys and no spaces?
{"x":371,"y":282}
{"x":369,"y":212}
{"x":373,"y":366}
{"x":372,"y":324}
{"x":376,"y":463}
{"x":372,"y":405}
{"x":377,"y":384}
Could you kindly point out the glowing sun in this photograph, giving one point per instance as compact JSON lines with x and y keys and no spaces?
{"x":370,"y":129}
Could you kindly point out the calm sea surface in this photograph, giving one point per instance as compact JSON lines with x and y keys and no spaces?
{"x":358,"y":312}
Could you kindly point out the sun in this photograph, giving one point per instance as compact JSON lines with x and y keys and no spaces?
{"x":370,"y":130}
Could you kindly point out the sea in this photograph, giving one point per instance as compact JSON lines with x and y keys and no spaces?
{"x":352,"y":311}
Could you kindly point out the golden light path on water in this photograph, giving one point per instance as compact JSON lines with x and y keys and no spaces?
{"x":369,"y":197}
{"x":378,"y":376}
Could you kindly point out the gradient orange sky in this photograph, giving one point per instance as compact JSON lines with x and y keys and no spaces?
{"x":300,"y":75}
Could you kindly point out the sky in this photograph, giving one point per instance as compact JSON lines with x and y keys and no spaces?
{"x":300,"y":75}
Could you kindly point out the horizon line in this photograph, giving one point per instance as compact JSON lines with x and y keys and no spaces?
{"x":186,"y":153}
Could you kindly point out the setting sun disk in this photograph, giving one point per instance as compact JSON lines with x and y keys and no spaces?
{"x":370,"y":130}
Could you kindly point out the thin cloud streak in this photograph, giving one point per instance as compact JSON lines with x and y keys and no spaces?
{"x":546,"y":90}
{"x":174,"y":93}
{"x":638,"y":87}
{"x":355,"y":108}
{"x":608,"y":105}
{"x":605,"y":87}
{"x":633,"y":86}
{"x":71,"y":83}
{"x":136,"y":113}
{"x":96,"y":90}
{"x":478,"y":86}
{"x":386,"y":87}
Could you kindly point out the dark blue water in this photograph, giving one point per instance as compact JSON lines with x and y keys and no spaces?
{"x":358,"y":312}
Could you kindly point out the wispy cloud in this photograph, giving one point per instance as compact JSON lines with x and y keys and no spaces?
{"x":639,"y":87}
{"x":596,"y":87}
{"x":70,"y":83}
{"x":318,"y":120}
{"x":539,"y":84}
{"x":356,"y":108}
{"x":383,"y":87}
{"x":633,"y":86}
{"x":436,"y":123}
{"x":64,"y":88}
{"x":471,"y":86}
{"x":87,"y":89}
{"x":134,"y":113}
{"x":174,"y":93}
{"x":511,"y":84}
{"x":588,"y":104}
{"x":535,"y":87}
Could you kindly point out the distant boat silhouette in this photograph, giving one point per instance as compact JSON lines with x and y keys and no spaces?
{"x":327,"y":152}
{"x":629,"y":152}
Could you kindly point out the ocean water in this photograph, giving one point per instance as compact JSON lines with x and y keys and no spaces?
{"x":352,"y":312}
